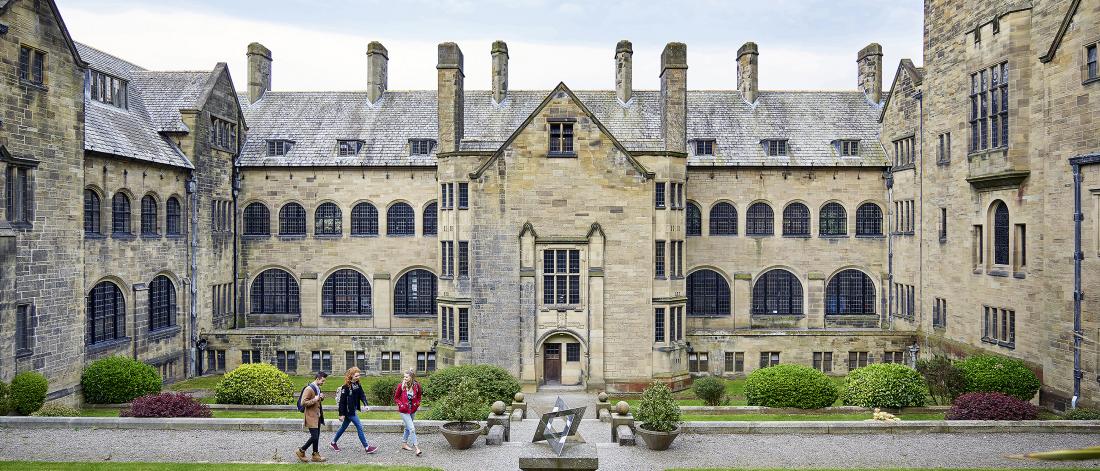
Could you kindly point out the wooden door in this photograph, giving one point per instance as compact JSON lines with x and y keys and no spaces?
{"x":551,"y":363}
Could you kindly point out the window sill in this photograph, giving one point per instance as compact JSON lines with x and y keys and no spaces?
{"x":561,"y":307}
{"x":939,"y":327}
{"x":561,"y":155}
{"x":724,"y":235}
{"x":22,"y":226}
{"x":943,"y":240}
{"x":346,"y":316}
{"x":797,"y":236}
{"x":833,"y":236}
{"x":660,"y":278}
{"x":943,"y":163}
{"x":400,"y":235}
{"x":1008,"y":345}
{"x":899,"y":168}
{"x":707,"y":316}
{"x":777,"y":315}
{"x":660,"y":207}
{"x":150,"y":236}
{"x":37,"y":86}
{"x":898,"y":233}
{"x":107,"y":345}
{"x":415,"y":316}
{"x":446,"y":277}
{"x":978,"y":271}
{"x":431,"y":235}
{"x":175,"y":237}
{"x":462,"y":208}
{"x":870,"y":236}
{"x":328,"y":236}
{"x":365,"y":236}
{"x":998,"y":273}
{"x":255,"y":236}
{"x":982,"y":153}
{"x":25,"y":353}
{"x":1091,"y":81}
{"x":760,"y":236}
{"x":1019,"y":275}
{"x":122,"y":236}
{"x":94,"y":236}
{"x":164,"y":333}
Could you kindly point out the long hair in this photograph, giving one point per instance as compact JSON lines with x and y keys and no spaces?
{"x":350,"y":374}
{"x":412,"y":377}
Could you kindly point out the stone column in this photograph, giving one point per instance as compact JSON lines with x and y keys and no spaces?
{"x":815,"y":301}
{"x":307,"y":299}
{"x":742,"y":298}
{"x":381,"y":294}
{"x":596,"y":302}
{"x":137,"y":321}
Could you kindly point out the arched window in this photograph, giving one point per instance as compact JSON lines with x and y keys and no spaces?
{"x":834,"y":221}
{"x":364,"y":220}
{"x":327,"y":220}
{"x":148,"y":215}
{"x":257,"y":220}
{"x":400,"y":220}
{"x":346,"y":293}
{"x":292,"y":220}
{"x":694,"y":224}
{"x":430,"y":216}
{"x":1000,"y":234}
{"x":723,"y":219}
{"x":868,"y":220}
{"x":777,"y":292}
{"x":106,"y":313}
{"x":91,"y":212}
{"x":414,"y":294}
{"x":275,"y":292}
{"x":796,"y":220}
{"x":850,"y":292}
{"x":708,"y":294}
{"x":172,"y":223}
{"x":120,"y":214}
{"x":162,"y":303}
{"x":760,"y":220}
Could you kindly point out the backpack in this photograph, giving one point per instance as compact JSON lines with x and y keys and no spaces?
{"x":316,"y":390}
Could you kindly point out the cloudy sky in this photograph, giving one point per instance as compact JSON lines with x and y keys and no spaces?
{"x":321,"y":45}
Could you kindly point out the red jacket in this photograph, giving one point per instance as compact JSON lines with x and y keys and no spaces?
{"x":401,"y":398}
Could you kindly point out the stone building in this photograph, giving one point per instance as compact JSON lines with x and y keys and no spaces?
{"x":589,"y":238}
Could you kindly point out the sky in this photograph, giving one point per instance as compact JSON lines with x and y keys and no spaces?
{"x":321,"y":45}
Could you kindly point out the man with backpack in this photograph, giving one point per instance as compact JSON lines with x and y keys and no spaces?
{"x":309,"y":403}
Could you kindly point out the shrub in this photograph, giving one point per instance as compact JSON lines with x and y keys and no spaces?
{"x":885,"y":385}
{"x":711,"y":390}
{"x":945,"y":381}
{"x":254,"y":384}
{"x":658,"y":411}
{"x":166,"y":404}
{"x":28,"y":392}
{"x":118,"y":380}
{"x":4,"y":405}
{"x":493,"y":382}
{"x":381,"y":390}
{"x":464,"y":403}
{"x":1081,"y":414}
{"x":790,"y":385}
{"x":57,"y":410}
{"x":991,"y":373}
{"x":991,"y":406}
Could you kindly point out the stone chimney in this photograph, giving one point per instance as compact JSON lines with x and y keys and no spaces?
{"x":674,"y":97}
{"x":869,"y":60}
{"x":748,"y":72}
{"x":378,"y":59}
{"x":259,"y":71}
{"x":624,"y":70}
{"x":449,"y":96}
{"x":500,"y":71}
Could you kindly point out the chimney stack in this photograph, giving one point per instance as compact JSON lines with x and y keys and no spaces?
{"x":500,"y":71}
{"x":624,"y":70}
{"x":748,"y":73}
{"x":378,"y":59}
{"x":674,"y":97}
{"x":449,"y":96}
{"x":869,"y":61}
{"x":259,"y":71}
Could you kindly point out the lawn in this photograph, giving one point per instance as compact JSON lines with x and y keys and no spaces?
{"x":249,"y":414}
{"x":795,"y":417}
{"x":735,"y":389}
{"x":868,"y":469}
{"x":118,"y":466}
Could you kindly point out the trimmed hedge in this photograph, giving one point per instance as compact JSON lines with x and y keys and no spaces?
{"x":5,"y":406}
{"x":254,"y":384}
{"x":711,"y":390}
{"x":166,"y":404}
{"x":1081,"y":414}
{"x":28,"y":392}
{"x":991,"y":406}
{"x":992,"y":373}
{"x":790,"y":385}
{"x":381,"y":390}
{"x":464,"y":403}
{"x":118,"y":380}
{"x":57,"y":410}
{"x":493,"y":382}
{"x":885,"y":385}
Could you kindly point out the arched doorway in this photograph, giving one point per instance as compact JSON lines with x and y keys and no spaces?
{"x":562,"y":362}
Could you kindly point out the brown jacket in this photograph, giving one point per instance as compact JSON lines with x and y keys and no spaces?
{"x":314,"y":416}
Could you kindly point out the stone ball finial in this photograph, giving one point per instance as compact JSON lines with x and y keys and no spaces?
{"x":622,"y":408}
{"x":602,"y":396}
{"x":519,"y":397}
{"x":498,"y":407}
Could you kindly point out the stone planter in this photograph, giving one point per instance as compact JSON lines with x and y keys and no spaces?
{"x":656,"y":440}
{"x":461,"y":435}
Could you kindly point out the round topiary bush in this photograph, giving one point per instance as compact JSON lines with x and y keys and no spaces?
{"x":462,"y":404}
{"x":4,"y":405}
{"x":118,"y":380}
{"x":790,"y":385}
{"x":254,"y":384}
{"x":992,"y":373}
{"x":57,"y":410}
{"x":658,"y":411}
{"x":711,"y":390}
{"x":382,"y":388}
{"x":991,"y":406}
{"x":885,"y":385}
{"x":166,"y":404}
{"x":493,"y":382}
{"x":28,"y":392}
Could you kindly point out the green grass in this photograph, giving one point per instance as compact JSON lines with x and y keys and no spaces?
{"x":867,"y":469}
{"x":119,"y":466}
{"x":735,"y":389}
{"x":809,"y":417}
{"x":248,"y":414}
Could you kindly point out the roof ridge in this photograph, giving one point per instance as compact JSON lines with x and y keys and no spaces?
{"x":176,"y":71}
{"x":101,"y":51}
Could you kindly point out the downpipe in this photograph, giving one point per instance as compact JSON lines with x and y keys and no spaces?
{"x":1078,"y":256}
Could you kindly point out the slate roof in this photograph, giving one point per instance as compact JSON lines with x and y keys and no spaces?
{"x":811,"y":121}
{"x":155,"y":99}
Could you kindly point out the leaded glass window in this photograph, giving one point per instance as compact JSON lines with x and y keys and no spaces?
{"x":400,"y":220}
{"x":850,"y":292}
{"x":91,"y":212}
{"x":162,"y":303}
{"x":708,"y":294}
{"x":1000,"y":234}
{"x":777,"y":292}
{"x":275,"y":292}
{"x":257,"y":220}
{"x":723,"y":219}
{"x":148,"y":215}
{"x":347,"y":293}
{"x":120,"y":214}
{"x":834,"y":220}
{"x":414,"y":294}
{"x":106,"y":313}
{"x":364,"y":220}
{"x":292,"y":220}
{"x":760,"y":220}
{"x":868,"y":220}
{"x":796,"y":220}
{"x":693,"y":225}
{"x":328,"y":220}
{"x":561,"y":277}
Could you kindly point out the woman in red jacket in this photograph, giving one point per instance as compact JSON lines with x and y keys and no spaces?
{"x":407,"y":397}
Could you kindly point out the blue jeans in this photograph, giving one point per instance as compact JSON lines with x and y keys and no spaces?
{"x":410,"y":429}
{"x":349,"y":419}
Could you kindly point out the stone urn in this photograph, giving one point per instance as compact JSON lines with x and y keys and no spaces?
{"x":656,"y":440}
{"x":461,"y":435}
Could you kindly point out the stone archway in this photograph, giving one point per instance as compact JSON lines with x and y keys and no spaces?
{"x":561,"y":360}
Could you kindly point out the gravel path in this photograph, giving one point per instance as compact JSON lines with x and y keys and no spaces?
{"x":756,"y":451}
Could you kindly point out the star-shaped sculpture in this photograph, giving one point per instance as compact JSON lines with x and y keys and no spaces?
{"x":554,"y":437}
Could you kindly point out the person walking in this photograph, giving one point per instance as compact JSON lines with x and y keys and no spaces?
{"x":309,"y":403}
{"x":407,"y":396}
{"x":348,"y":400}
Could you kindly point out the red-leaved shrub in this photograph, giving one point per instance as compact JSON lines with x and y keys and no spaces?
{"x":166,"y":404}
{"x":991,"y":406}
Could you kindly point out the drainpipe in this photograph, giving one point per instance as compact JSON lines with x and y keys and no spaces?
{"x":1078,"y":256}
{"x":919,"y":96}
{"x":890,"y":250}
{"x":236,"y":182}
{"x":193,"y":202}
